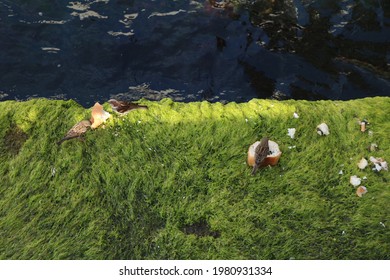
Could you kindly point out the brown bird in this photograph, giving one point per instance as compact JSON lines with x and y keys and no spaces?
{"x":76,"y":131}
{"x":261,"y":153}
{"x":123,"y":107}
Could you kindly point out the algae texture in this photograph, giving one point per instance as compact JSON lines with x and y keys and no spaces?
{"x":172,"y":182}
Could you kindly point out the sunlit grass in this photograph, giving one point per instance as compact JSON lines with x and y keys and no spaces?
{"x":130,"y":188}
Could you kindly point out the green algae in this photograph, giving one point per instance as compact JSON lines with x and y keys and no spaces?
{"x":171,"y":182}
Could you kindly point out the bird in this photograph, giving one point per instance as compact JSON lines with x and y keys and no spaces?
{"x":77,"y":131}
{"x":261,"y":152}
{"x":123,"y":107}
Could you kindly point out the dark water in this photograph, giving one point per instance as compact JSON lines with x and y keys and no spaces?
{"x":194,"y":50}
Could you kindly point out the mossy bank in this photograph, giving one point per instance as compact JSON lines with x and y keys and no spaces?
{"x":172,"y":182}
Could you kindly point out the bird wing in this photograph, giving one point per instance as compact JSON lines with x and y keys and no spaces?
{"x":76,"y":130}
{"x":261,"y":152}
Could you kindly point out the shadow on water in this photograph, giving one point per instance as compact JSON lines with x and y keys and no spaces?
{"x":194,"y":50}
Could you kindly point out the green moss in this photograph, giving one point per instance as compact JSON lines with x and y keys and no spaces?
{"x":172,"y":182}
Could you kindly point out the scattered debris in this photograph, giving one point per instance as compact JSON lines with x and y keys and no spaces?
{"x":341,"y":172}
{"x":373,"y":147}
{"x":291,"y":132}
{"x":360,"y":191}
{"x":355,"y":180}
{"x":362,"y":163}
{"x":53,"y":171}
{"x":295,"y":115}
{"x":323,"y":129}
{"x":379,"y":163}
{"x":363,"y":125}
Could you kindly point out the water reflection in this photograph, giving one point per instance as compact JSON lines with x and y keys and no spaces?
{"x":194,"y":50}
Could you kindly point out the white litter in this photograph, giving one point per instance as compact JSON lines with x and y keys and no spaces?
{"x":379,"y":164}
{"x":355,"y":180}
{"x":291,"y":132}
{"x":362,"y":163}
{"x":323,"y":129}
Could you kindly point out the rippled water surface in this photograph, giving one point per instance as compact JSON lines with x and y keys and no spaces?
{"x":194,"y":50}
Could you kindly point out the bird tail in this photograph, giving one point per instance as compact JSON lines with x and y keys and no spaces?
{"x":60,"y":142}
{"x":142,"y":107}
{"x":64,"y":139}
{"x":255,"y":167}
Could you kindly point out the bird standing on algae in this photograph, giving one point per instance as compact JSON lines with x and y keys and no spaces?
{"x":77,"y":131}
{"x":123,"y":107}
{"x":261,"y":152}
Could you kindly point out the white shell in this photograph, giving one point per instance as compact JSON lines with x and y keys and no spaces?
{"x":362,"y":163}
{"x":323,"y":129}
{"x":291,"y":132}
{"x":355,"y":180}
{"x":273,"y":148}
{"x":296,"y":116}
